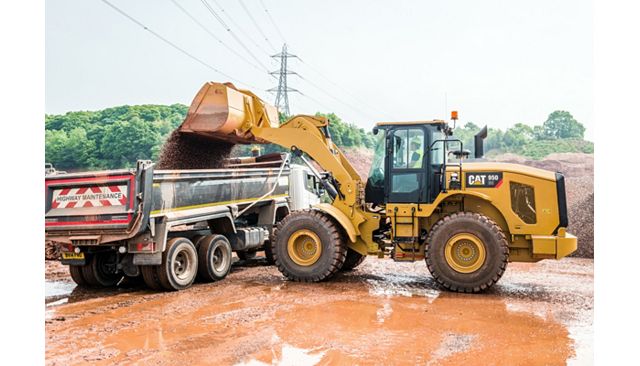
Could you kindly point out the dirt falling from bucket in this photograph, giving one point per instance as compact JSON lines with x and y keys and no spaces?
{"x":185,"y":151}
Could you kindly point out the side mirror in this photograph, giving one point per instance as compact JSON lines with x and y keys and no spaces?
{"x":375,"y":130}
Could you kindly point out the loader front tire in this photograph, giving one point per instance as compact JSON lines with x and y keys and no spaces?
{"x":466,"y":252}
{"x":308,"y":246}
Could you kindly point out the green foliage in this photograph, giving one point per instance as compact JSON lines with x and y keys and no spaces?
{"x":111,"y":138}
{"x":69,"y":150}
{"x":562,"y":125}
{"x":559,"y":133}
{"x":540,"y":148}
{"x":117,"y":137}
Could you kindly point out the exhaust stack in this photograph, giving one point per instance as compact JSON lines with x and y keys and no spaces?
{"x":478,"y":142}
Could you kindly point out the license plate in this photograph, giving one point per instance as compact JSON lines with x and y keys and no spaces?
{"x":72,"y":255}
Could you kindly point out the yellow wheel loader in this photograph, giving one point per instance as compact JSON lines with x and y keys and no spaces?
{"x":466,"y":218}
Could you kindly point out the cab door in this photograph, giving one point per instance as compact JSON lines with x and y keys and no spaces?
{"x":406,"y":156}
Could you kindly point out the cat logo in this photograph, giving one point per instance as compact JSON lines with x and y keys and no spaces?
{"x":484,"y":179}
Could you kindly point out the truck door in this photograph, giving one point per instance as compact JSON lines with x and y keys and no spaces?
{"x":406,"y":152}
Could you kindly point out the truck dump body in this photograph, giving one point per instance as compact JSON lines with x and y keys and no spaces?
{"x":119,"y":204}
{"x":175,"y":190}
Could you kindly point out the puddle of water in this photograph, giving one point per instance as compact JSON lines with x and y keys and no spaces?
{"x":397,"y":285}
{"x":58,"y":288}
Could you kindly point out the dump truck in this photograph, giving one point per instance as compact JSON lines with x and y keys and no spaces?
{"x":171,"y":226}
{"x":466,"y":218}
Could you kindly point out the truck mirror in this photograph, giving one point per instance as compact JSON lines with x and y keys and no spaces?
{"x":375,"y":130}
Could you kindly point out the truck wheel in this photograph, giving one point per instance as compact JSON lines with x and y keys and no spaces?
{"x":353,"y":260}
{"x":76,"y":275}
{"x":179,"y":264}
{"x":150,"y":277}
{"x":308,"y":246}
{"x":101,"y":270}
{"x":214,"y":258}
{"x":467,"y":252}
{"x":246,"y":255}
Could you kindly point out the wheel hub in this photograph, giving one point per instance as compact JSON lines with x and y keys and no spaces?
{"x":304,"y":247}
{"x":465,"y":253}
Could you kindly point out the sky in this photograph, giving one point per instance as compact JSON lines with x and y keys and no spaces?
{"x":496,"y":62}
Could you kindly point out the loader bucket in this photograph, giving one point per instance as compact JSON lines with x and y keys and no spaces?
{"x":222,"y":112}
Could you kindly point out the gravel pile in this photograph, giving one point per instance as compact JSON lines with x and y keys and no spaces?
{"x":580,"y":206}
{"x":185,"y":151}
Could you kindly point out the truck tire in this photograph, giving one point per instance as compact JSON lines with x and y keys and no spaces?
{"x":353,"y":260}
{"x":308,"y":246}
{"x":214,"y":258}
{"x":150,"y":277}
{"x":466,"y":252}
{"x":100,"y":272}
{"x":179,"y":265}
{"x":76,"y":275}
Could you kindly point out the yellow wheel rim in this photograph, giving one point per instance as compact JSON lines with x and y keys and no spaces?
{"x":465,"y":253}
{"x":304,"y":247}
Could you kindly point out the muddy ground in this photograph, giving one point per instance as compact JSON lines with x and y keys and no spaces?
{"x":382,"y":313}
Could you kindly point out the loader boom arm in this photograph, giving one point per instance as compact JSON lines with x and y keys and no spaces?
{"x":223,"y":112}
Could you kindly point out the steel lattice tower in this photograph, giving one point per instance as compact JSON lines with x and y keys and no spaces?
{"x":282,"y":97}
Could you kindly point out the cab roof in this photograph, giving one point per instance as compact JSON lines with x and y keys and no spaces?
{"x":401,"y":123}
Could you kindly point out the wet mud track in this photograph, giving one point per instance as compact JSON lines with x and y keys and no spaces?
{"x":382,"y":313}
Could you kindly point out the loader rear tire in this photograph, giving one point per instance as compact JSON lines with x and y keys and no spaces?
{"x":466,"y":252}
{"x":353,"y":260}
{"x":150,"y":277}
{"x":308,"y":246}
{"x":214,"y":258}
{"x":179,"y":265}
{"x":76,"y":275}
{"x":100,"y":271}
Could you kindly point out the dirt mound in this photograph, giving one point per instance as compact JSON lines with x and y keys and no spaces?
{"x":580,"y":206}
{"x":570,"y":164}
{"x":184,"y":151}
{"x":360,"y":159}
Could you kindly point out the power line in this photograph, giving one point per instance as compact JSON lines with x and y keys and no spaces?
{"x":239,"y":27}
{"x":353,"y":96}
{"x":214,"y":36}
{"x":228,"y":29}
{"x":173,"y":44}
{"x":246,"y":10}
{"x":358,"y":110}
{"x":275,"y":25}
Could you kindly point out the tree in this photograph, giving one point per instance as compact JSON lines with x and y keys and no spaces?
{"x":562,"y":125}
{"x":124,"y":142}
{"x":67,"y":151}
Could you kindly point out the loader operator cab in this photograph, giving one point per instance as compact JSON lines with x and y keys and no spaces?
{"x":407,"y":162}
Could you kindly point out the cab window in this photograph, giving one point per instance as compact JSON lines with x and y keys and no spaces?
{"x":408,"y":148}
